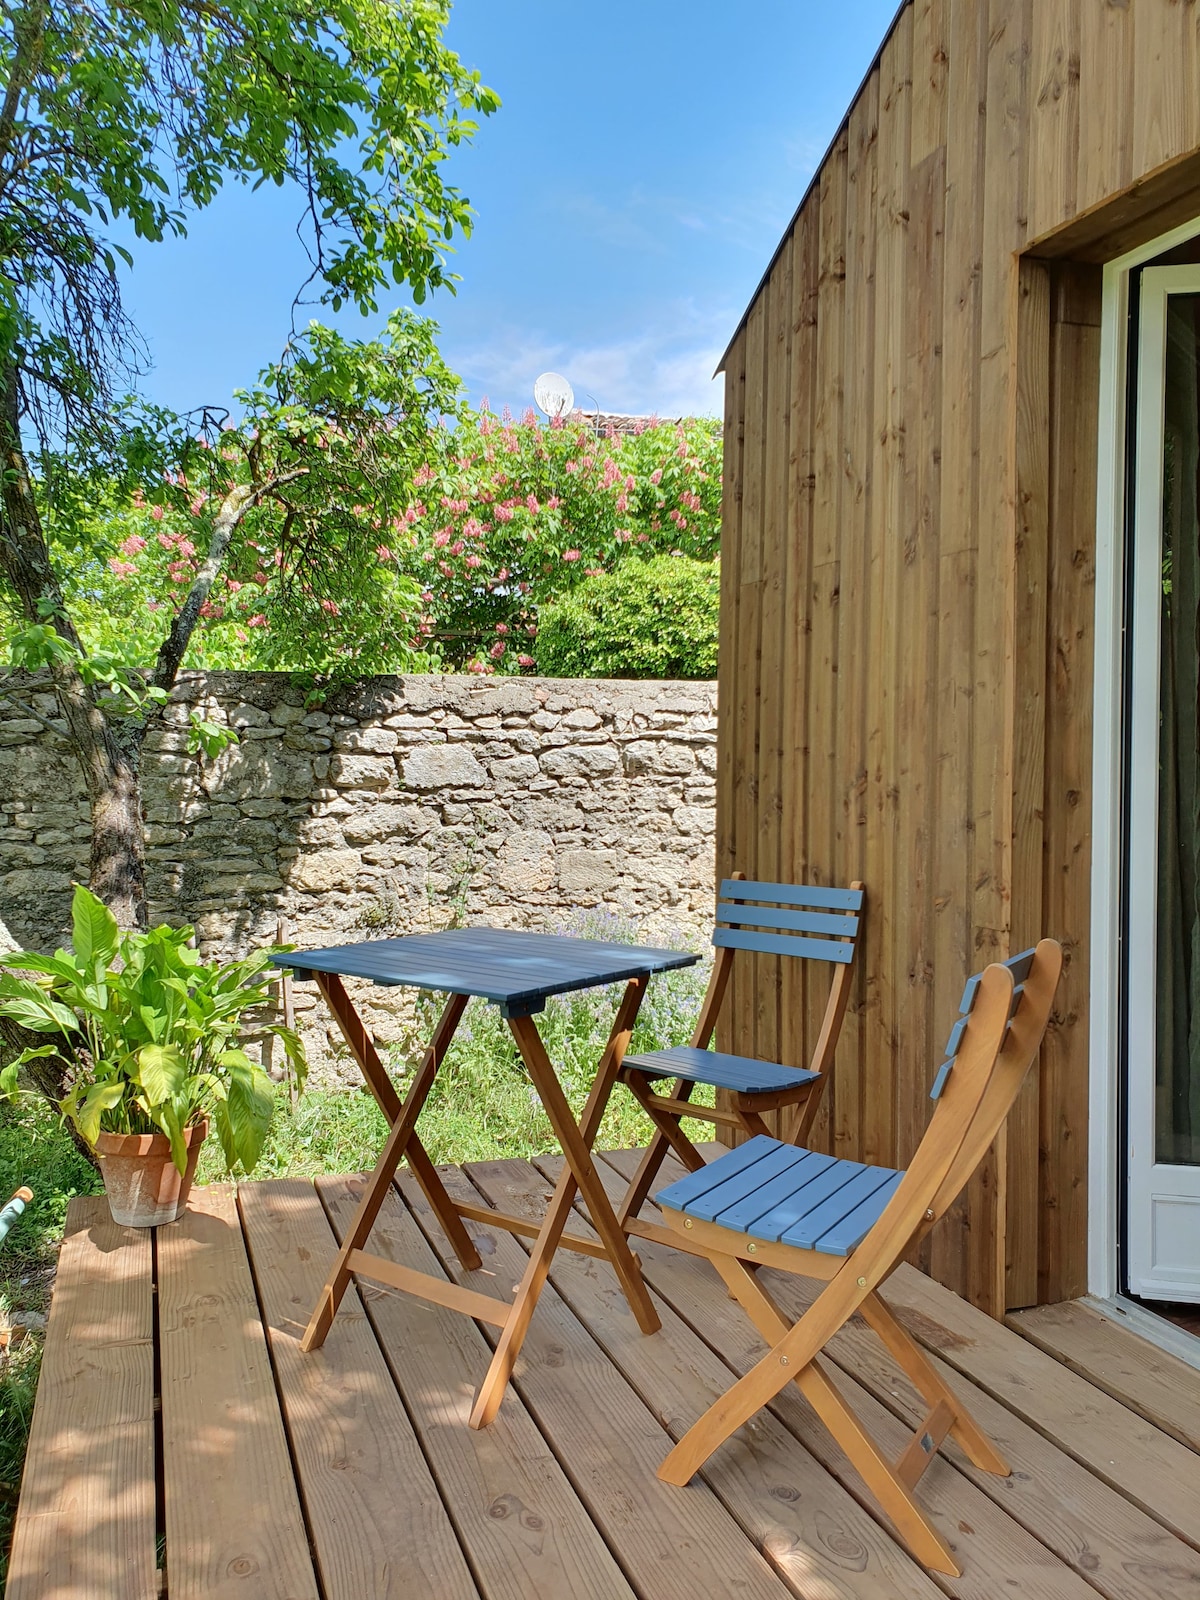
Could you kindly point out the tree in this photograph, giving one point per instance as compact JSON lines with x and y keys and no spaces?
{"x":129,"y":116}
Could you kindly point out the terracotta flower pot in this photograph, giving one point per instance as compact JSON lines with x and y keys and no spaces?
{"x":144,"y":1186}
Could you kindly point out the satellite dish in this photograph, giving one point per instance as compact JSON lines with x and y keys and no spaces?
{"x":553,"y":394}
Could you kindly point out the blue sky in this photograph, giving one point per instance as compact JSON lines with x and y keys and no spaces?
{"x":629,"y":193}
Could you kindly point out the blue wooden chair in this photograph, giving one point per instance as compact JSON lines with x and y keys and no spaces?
{"x":769,"y":1204}
{"x":802,"y":921}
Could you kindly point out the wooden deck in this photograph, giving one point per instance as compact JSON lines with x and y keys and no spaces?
{"x":182,"y":1445}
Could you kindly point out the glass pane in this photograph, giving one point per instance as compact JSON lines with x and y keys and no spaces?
{"x":1177,"y":1099}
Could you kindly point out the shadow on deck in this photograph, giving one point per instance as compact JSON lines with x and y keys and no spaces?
{"x":182,"y":1445}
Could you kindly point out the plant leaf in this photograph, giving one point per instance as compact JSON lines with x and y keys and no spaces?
{"x":94,"y":930}
{"x":162,"y":1072}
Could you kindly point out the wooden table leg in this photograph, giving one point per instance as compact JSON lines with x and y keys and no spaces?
{"x":576,"y":1140}
{"x":393,"y":1151}
{"x":362,"y":1048}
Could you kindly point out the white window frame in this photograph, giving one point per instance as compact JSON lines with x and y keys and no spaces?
{"x":1106,"y":1160}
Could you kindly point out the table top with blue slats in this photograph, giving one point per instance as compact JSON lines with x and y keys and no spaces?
{"x":517,"y":971}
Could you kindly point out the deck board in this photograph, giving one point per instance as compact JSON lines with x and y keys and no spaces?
{"x":1157,"y":1385}
{"x":233,"y":1520}
{"x":351,"y":1472}
{"x":376,"y":1518}
{"x":86,"y":1518}
{"x":524,"y":1529}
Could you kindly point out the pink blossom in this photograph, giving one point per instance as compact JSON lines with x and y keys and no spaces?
{"x":198,"y":504}
{"x":571,"y":466}
{"x":423,"y":475}
{"x":502,"y":627}
{"x":186,"y":549}
{"x":133,"y":546}
{"x":497,"y":650}
{"x":623,"y":535}
{"x":177,"y":572}
{"x":630,"y":481}
{"x":531,"y":629}
{"x":553,"y":503}
{"x":472,"y":528}
{"x":139,"y":499}
{"x":622,"y":504}
{"x":157,"y":513}
{"x":656,"y":476}
{"x":473,"y":560}
{"x":502,"y":575}
{"x":332,"y":607}
{"x":241,"y":635}
{"x":593,"y":572}
{"x":504,"y":513}
{"x":571,"y":555}
{"x":258,"y":620}
{"x":529,"y":417}
{"x":121,"y":569}
{"x":531,"y":500}
{"x":524,"y":661}
{"x":442,"y":538}
{"x":208,"y":609}
{"x":642,"y":538}
{"x":456,"y":549}
{"x":382,"y":551}
{"x":476,"y":666}
{"x":233,"y":585}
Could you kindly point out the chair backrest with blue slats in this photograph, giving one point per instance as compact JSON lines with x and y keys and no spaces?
{"x":1019,"y":967}
{"x":788,"y":919}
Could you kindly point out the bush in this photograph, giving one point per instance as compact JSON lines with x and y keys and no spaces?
{"x":647,"y":619}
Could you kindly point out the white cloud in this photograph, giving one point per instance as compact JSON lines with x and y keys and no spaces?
{"x":666,"y":369}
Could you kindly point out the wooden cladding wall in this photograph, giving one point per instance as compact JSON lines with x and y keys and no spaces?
{"x":907,"y":610}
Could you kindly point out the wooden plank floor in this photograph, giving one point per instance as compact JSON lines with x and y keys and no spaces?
{"x":183,"y":1446}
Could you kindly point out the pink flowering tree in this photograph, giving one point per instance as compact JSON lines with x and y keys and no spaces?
{"x":264,"y":541}
{"x":512,"y":514}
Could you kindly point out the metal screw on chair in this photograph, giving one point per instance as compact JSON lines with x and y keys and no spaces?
{"x":687,"y":1222}
{"x":862,"y":1283}
{"x":784,"y":1362}
{"x":751,"y":1248}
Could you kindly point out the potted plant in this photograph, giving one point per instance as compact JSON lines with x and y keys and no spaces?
{"x":152,"y":1039}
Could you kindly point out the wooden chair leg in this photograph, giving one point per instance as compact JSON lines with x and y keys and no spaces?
{"x":806,"y":1114}
{"x":920,"y":1371}
{"x":878,"y":1473}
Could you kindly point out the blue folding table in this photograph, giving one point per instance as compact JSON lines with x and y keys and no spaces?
{"x":518,"y":972}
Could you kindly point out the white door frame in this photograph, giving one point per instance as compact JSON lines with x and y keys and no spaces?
{"x":1106,"y":1160}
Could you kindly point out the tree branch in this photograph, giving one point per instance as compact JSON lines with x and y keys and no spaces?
{"x":237,"y":503}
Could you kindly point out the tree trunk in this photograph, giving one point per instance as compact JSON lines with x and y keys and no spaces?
{"x":117,"y":870}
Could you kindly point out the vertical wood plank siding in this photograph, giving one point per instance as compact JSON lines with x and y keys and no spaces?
{"x":907,"y":611}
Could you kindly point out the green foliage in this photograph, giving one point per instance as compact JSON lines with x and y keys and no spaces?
{"x":141,"y":112}
{"x":647,"y":619}
{"x":513,"y":515}
{"x":409,"y":545}
{"x":152,"y":1034}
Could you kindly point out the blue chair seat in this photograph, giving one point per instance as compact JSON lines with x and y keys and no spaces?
{"x":775,"y":1192}
{"x":742,"y":1073}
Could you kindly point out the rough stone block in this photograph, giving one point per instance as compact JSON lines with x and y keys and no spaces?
{"x":443,"y":766}
{"x":586,"y":761}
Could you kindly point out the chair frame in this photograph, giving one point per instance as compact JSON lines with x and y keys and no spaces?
{"x":742,"y":1112}
{"x":995,"y":1050}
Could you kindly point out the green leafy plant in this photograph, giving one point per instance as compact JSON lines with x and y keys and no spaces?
{"x":647,"y":619}
{"x":150,"y":1034}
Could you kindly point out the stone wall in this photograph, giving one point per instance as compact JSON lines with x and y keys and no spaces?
{"x":401,"y":806}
